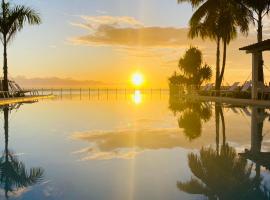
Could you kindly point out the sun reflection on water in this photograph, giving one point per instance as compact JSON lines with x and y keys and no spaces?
{"x":137,"y":97}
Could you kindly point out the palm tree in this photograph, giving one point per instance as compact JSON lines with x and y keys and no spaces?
{"x":258,"y":10}
{"x":218,"y":20}
{"x":12,"y":20}
{"x":13,"y":174}
{"x":193,"y":71}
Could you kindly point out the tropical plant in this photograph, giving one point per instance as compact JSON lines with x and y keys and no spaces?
{"x":12,"y":20}
{"x":13,"y":174}
{"x":193,"y":72}
{"x":218,"y":20}
{"x":258,"y":11}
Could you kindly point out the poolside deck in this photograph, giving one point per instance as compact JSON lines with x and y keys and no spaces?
{"x":233,"y":101}
{"x":5,"y":101}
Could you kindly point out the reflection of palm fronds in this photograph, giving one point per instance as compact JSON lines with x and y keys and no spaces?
{"x":191,"y":123}
{"x":13,"y":174}
{"x":222,"y":175}
{"x":191,"y":115}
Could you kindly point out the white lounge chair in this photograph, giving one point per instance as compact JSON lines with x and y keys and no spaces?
{"x":210,"y":87}
{"x":14,"y":90}
{"x":232,"y":89}
{"x":205,"y":87}
{"x":246,"y":86}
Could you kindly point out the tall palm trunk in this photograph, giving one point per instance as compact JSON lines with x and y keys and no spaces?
{"x":223,"y":62}
{"x":6,"y":112}
{"x":260,"y":38}
{"x":217,"y":127}
{"x":217,"y":87}
{"x":5,"y":66}
{"x":223,"y":127}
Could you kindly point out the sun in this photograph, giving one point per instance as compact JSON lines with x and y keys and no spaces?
{"x":137,"y":79}
{"x":137,"y":97}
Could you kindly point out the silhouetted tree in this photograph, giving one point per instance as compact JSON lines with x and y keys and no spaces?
{"x":218,"y":20}
{"x":259,"y":10}
{"x":193,"y":72}
{"x":12,"y":20}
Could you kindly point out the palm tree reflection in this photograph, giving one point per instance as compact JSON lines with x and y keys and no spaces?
{"x":191,"y":115}
{"x":220,"y":173}
{"x":258,"y":117}
{"x":13,"y":173}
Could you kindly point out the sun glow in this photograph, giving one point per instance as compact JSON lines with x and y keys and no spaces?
{"x":137,"y":79}
{"x":137,"y":97}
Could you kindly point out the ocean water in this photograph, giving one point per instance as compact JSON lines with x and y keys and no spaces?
{"x":136,"y":145}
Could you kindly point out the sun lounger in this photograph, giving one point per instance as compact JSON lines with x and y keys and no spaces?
{"x":246,"y":86}
{"x":210,"y":87}
{"x":232,"y":89}
{"x":234,"y":110}
{"x":205,"y":87}
{"x":246,"y":111}
{"x":15,"y":90}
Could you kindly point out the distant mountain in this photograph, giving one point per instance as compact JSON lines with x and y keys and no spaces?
{"x":55,"y":82}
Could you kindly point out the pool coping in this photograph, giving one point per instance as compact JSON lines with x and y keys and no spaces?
{"x":230,"y":100}
{"x":13,"y":100}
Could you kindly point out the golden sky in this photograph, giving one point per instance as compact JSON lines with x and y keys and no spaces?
{"x":101,"y":43}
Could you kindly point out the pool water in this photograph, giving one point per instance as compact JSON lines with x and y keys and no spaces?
{"x":135,"y":146}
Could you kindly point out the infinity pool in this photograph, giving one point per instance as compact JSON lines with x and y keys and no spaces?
{"x":138,"y":146}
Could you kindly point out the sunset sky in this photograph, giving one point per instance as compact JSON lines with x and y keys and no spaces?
{"x":102,"y":42}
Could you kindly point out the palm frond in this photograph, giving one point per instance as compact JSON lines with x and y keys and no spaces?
{"x":194,"y":3}
{"x":205,"y":72}
{"x":17,"y":17}
{"x":193,"y":187}
{"x":13,"y":174}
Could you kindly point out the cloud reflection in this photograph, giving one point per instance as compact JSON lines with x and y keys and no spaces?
{"x":129,"y":143}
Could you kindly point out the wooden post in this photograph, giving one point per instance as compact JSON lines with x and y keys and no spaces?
{"x":257,"y":120}
{"x":89,"y":91}
{"x":255,"y":83}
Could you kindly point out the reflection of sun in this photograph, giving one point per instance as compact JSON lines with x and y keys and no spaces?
{"x":137,"y":97}
{"x":137,"y":79}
